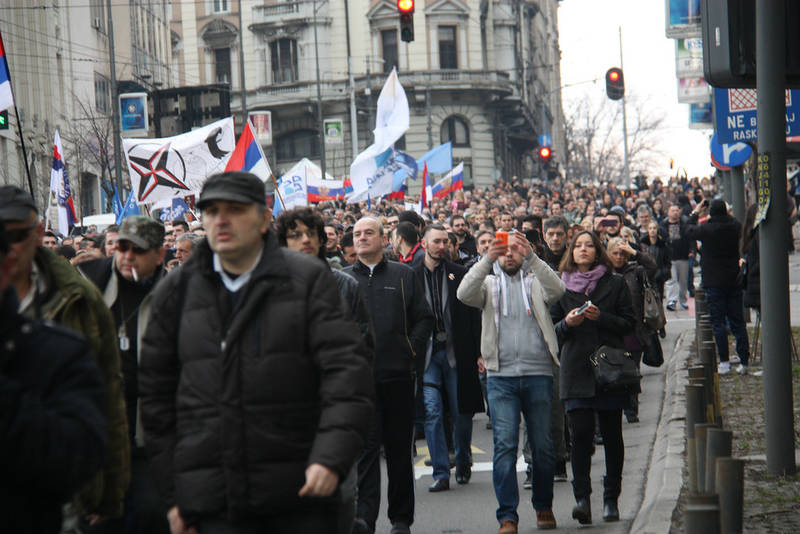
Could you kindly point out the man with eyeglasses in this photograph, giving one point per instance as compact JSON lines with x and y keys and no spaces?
{"x":127,"y":280}
{"x":49,"y":288}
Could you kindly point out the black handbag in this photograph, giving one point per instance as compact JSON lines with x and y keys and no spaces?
{"x":653,"y":354}
{"x":615,"y":370}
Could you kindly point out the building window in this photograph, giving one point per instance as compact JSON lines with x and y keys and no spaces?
{"x":468,"y":181}
{"x":298,"y":144}
{"x":400,"y":144}
{"x":284,"y":60}
{"x":222,"y":62}
{"x":102,"y":98}
{"x":97,"y":12}
{"x":455,"y":130}
{"x":448,"y":53}
{"x":389,"y":47}
{"x":221,"y":6}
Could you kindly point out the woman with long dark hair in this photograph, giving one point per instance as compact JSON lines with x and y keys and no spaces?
{"x":588,"y":275}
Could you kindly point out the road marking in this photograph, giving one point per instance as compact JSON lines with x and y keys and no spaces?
{"x":477,"y":467}
{"x":423,"y":451}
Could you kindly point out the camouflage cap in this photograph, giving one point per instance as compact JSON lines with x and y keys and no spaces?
{"x":143,"y":232}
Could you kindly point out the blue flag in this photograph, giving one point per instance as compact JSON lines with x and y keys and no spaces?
{"x":116,"y":204}
{"x":131,"y":208}
{"x":439,"y":159}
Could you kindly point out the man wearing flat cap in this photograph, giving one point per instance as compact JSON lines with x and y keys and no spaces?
{"x":50,"y":288}
{"x":255,"y":388}
{"x":126,"y":281}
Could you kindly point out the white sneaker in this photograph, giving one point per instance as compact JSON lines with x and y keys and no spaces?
{"x":735,"y":358}
{"x":724,"y":368}
{"x":741,"y":369}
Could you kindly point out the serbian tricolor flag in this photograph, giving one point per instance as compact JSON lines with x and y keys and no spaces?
{"x":59,"y":186}
{"x":6,"y":96}
{"x":248,"y":156}
{"x":453,"y":181}
{"x":426,"y":194}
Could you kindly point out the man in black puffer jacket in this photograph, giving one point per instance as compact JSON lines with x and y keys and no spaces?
{"x":719,"y":262}
{"x":256,"y":394}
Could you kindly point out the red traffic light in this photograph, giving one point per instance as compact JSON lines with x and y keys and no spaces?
{"x":613,"y":76}
{"x":405,"y":6}
{"x":615,"y":83}
{"x":544,"y":153}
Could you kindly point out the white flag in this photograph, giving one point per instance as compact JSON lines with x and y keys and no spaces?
{"x":391,"y":123}
{"x":293,"y":187}
{"x":178,"y":166}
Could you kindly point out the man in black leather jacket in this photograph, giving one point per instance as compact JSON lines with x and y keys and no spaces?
{"x":403,"y":322}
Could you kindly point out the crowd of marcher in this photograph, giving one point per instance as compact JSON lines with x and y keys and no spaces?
{"x":239,"y":374}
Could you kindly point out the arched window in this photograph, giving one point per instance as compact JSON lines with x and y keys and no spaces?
{"x":283,"y":53}
{"x":298,"y":144}
{"x":456,"y":130}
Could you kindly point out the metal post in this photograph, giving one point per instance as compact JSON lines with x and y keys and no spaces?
{"x":774,"y":237}
{"x":702,"y":515}
{"x":730,"y":486}
{"x":352,"y":82}
{"x":114,"y":102}
{"x":737,"y":192}
{"x":319,"y":94}
{"x":624,"y":119}
{"x":726,"y":186}
{"x":370,"y":122}
{"x":700,"y":439}
{"x":718,"y":445}
{"x":428,"y":113}
{"x":241,"y":65}
{"x":695,"y":413}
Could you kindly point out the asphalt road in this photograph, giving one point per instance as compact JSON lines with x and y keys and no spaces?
{"x":470,"y":509}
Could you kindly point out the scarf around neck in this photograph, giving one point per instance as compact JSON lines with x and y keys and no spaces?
{"x":583,"y":282}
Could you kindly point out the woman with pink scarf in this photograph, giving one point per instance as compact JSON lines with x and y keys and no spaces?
{"x":589,"y":276}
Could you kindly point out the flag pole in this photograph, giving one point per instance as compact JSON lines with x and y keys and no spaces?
{"x":19,"y":124}
{"x":277,"y":190}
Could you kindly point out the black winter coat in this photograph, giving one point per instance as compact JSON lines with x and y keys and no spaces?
{"x":52,"y":420}
{"x":355,"y":306}
{"x":401,"y":317}
{"x":636,"y":274}
{"x":578,"y":343}
{"x":660,"y":253}
{"x":466,"y":336}
{"x":236,"y":403}
{"x":719,"y":253}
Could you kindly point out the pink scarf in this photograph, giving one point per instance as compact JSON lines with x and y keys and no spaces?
{"x":583,"y":282}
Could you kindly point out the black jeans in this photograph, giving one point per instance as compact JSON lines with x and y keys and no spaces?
{"x":581,"y":427}
{"x":726,"y":303}
{"x":320,"y":519}
{"x":394,"y":428}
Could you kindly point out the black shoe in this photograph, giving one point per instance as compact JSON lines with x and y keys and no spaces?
{"x":671,"y":306}
{"x":443,"y":484}
{"x":463,"y":474}
{"x":400,"y":528}
{"x":610,"y":511}
{"x":582,"y":511}
{"x":528,"y":484}
{"x":631,"y":417}
{"x":488,"y":425}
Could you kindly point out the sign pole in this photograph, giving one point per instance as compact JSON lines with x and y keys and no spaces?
{"x":774,"y":235}
{"x":737,"y":193}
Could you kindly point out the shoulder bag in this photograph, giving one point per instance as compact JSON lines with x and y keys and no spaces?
{"x":615,"y":370}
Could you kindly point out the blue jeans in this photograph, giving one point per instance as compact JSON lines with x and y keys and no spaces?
{"x":726,"y":303}
{"x":533,"y":396}
{"x":439,"y":375}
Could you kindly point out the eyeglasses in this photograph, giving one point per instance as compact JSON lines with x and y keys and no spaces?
{"x":20,"y":234}
{"x":299,"y":235}
{"x":125,"y":246}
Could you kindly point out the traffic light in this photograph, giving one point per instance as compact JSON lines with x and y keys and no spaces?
{"x":615,"y":83}
{"x":544,"y":154}
{"x":406,"y":9}
{"x":4,"y":120}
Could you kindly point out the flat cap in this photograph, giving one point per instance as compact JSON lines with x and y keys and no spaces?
{"x":142,"y":231}
{"x":234,"y":186}
{"x":15,"y":204}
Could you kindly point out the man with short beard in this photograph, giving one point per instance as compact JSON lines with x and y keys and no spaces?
{"x":467,"y":248}
{"x":555,"y":238}
{"x":450,"y":361}
{"x":515,"y":289}
{"x":50,"y":241}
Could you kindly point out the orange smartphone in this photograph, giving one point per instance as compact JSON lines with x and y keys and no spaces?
{"x":502,"y":236}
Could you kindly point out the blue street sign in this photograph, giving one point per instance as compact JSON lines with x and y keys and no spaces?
{"x":545,"y":140}
{"x":730,"y":155}
{"x":735,"y":111}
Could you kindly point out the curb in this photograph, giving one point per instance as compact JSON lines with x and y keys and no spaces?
{"x":665,"y":473}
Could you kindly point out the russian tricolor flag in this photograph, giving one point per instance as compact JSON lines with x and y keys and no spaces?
{"x":248,"y":156}
{"x":6,"y":96}
{"x":453,"y":181}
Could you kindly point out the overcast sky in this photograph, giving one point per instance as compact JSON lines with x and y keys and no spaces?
{"x":589,"y":40}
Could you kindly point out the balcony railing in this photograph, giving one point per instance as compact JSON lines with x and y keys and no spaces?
{"x":287,"y":13}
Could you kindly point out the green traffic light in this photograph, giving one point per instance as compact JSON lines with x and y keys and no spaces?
{"x":4,"y":120}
